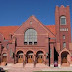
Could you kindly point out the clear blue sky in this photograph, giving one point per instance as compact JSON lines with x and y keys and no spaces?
{"x":15,"y":12}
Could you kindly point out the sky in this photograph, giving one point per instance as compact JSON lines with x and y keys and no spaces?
{"x":15,"y":12}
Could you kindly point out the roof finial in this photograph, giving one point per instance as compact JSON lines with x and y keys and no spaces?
{"x":62,"y":5}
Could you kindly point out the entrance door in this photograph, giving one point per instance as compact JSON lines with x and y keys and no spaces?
{"x":40,"y":59}
{"x":64,"y":57}
{"x":4,"y":59}
{"x":64,"y":60}
{"x":20,"y":59}
{"x":30,"y":59}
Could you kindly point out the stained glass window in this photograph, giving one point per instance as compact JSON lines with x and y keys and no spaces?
{"x":30,"y":36}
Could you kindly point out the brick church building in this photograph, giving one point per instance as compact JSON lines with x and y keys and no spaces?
{"x":33,"y":42}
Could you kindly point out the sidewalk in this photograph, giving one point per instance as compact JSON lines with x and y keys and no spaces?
{"x":31,"y":69}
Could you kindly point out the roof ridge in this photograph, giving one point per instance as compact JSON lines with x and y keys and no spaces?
{"x":49,"y":25}
{"x":8,"y":26}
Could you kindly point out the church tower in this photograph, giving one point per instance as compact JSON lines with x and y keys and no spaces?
{"x":63,"y":27}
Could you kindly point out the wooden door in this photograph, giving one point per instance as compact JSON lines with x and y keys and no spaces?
{"x":30,"y":59}
{"x":64,"y":60}
{"x":20,"y":59}
{"x":4,"y":59}
{"x":40,"y":59}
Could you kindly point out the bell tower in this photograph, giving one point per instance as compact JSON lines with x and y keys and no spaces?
{"x":63,"y":26}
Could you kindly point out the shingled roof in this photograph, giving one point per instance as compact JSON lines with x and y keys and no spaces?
{"x":51,"y":28}
{"x":7,"y":30}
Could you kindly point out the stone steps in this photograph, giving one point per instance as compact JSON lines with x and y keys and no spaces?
{"x":65,"y":65}
{"x":17,"y":65}
{"x":41,"y":65}
{"x":29,"y":65}
{"x":3,"y":64}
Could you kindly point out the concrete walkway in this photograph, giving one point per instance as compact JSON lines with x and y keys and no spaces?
{"x":58,"y":69}
{"x":31,"y":69}
{"x":37,"y":69}
{"x":21,"y":69}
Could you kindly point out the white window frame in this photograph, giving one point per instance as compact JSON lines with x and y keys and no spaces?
{"x":63,"y":29}
{"x":60,"y":20}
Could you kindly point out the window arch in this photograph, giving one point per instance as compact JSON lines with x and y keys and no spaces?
{"x":30,"y":37}
{"x":64,"y":44}
{"x":63,"y":20}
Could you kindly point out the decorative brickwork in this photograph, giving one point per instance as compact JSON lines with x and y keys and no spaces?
{"x":41,"y":44}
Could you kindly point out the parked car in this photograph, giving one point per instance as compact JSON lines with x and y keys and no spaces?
{"x":55,"y":63}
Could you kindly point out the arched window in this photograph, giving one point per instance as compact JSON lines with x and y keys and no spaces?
{"x":63,"y":36}
{"x":62,"y":20}
{"x":30,"y":37}
{"x":64,"y":44}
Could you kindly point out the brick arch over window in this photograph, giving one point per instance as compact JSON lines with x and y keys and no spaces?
{"x":64,"y":50}
{"x":4,"y":52}
{"x":19,"y":50}
{"x":29,"y":51}
{"x":41,"y":51}
{"x":30,"y":36}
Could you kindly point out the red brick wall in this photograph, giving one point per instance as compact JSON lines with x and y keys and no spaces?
{"x":63,"y":11}
{"x":11,"y":47}
{"x":42,"y":35}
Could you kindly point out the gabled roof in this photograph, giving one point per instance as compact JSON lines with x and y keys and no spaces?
{"x":7,"y":30}
{"x":51,"y":28}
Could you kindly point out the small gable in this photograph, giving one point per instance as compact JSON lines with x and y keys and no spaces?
{"x":33,"y":22}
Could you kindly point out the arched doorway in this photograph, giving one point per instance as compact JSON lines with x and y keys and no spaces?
{"x":20,"y":56}
{"x":4,"y":57}
{"x":29,"y":56}
{"x":64,"y":56}
{"x":39,"y":56}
